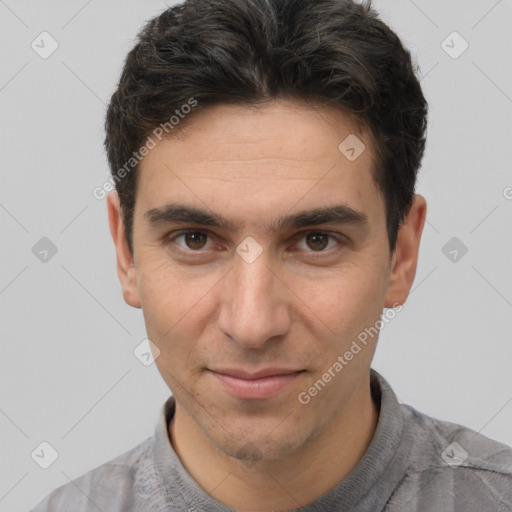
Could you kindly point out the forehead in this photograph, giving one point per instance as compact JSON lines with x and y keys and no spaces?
{"x":283,"y":151}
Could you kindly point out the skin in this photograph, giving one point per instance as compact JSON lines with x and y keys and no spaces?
{"x":205,"y":307}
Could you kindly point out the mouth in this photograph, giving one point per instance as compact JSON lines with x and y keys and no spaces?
{"x":260,"y":385}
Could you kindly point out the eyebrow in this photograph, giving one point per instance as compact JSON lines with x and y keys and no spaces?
{"x":176,"y":213}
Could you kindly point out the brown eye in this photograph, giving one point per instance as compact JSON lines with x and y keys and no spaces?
{"x":195,"y":240}
{"x":191,"y":241}
{"x":317,"y":241}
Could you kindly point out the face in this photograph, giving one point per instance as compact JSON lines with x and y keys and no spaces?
{"x":257,"y":286}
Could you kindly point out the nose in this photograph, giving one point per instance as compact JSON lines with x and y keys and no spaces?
{"x":254,"y":308}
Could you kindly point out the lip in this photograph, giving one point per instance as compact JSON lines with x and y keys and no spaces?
{"x":260,"y":385}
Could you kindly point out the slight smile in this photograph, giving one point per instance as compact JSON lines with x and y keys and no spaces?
{"x":263,"y":384}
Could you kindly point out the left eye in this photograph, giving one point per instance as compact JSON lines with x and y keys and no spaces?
{"x":317,"y":241}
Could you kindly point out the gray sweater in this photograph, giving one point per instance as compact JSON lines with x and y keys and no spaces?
{"x":414,"y":463}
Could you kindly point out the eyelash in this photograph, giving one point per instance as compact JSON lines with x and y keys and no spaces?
{"x":314,"y":254}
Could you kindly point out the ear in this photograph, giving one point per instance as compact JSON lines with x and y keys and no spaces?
{"x":405,"y":256}
{"x":126,"y":269}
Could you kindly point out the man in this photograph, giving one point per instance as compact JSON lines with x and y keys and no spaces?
{"x":264,"y":154}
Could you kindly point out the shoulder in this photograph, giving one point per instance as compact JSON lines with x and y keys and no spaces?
{"x":106,"y":487}
{"x":471,"y":470}
{"x":477,"y":450}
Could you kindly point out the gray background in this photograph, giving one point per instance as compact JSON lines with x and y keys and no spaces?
{"x":68,"y":373}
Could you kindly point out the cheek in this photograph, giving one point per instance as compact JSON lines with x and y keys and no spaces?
{"x":167,"y":292}
{"x":176,"y":308}
{"x":345,"y":302}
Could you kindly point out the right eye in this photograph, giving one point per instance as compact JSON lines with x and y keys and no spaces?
{"x":192,"y":240}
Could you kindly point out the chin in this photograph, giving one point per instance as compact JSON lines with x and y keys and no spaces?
{"x":254,"y":446}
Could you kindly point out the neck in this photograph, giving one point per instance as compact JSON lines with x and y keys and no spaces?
{"x":285,"y":483}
